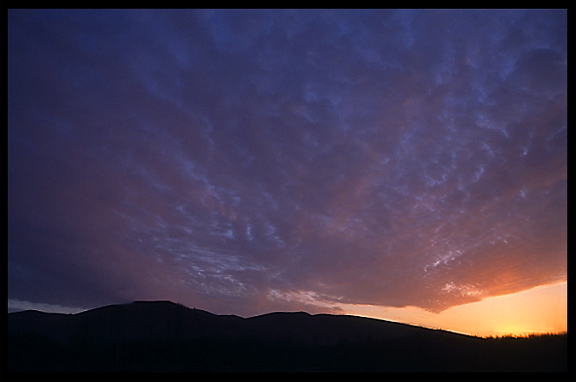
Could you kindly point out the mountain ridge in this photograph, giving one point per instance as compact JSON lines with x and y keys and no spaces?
{"x":166,"y":336}
{"x":201,"y":323}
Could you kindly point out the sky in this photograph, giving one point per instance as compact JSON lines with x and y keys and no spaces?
{"x":402,"y":164}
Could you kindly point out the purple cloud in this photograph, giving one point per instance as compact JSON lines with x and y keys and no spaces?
{"x":249,"y":161}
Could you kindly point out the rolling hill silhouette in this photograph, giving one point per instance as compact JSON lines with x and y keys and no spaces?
{"x":164,"y":336}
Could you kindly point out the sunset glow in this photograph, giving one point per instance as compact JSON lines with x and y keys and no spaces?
{"x":540,"y":310}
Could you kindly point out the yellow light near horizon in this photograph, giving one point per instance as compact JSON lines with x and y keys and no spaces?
{"x":543,"y":309}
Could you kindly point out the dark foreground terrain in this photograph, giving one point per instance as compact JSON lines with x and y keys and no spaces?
{"x":163,"y":336}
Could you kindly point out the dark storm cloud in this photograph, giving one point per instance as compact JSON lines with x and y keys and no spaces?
{"x":244,"y":161}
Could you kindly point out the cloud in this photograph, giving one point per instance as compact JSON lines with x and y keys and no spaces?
{"x":246,"y":160}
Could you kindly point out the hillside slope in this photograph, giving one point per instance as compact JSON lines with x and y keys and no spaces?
{"x":164,"y":336}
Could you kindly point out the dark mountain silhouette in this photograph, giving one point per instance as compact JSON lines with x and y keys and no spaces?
{"x":164,"y":336}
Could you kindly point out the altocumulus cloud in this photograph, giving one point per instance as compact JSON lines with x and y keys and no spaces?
{"x":244,"y":161}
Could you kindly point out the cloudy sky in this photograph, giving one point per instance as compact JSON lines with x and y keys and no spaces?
{"x":247,"y":161}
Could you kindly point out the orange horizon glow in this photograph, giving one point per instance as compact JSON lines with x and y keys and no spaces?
{"x":540,"y":310}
